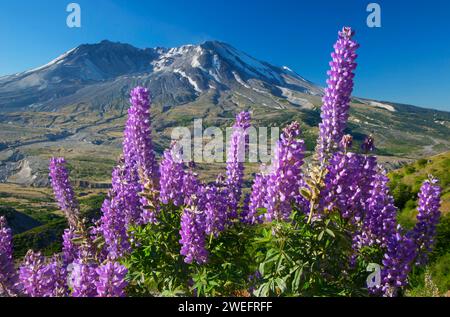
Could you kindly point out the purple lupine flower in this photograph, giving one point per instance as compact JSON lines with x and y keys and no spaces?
{"x":83,"y":277}
{"x":397,"y":262}
{"x":40,"y":279}
{"x":427,"y":219}
{"x":380,"y":221}
{"x":348,"y":184}
{"x":285,"y":177}
{"x":140,"y":166}
{"x":346,"y":142}
{"x":368,"y":145}
{"x":123,"y":198}
{"x":193,"y":236}
{"x":235,"y":161}
{"x":138,"y":144}
{"x":116,"y":216}
{"x":126,"y":187}
{"x":245,"y":210}
{"x":336,"y":101}
{"x":380,"y":217}
{"x":114,"y":229}
{"x":65,"y":197}
{"x":258,"y":199}
{"x":30,"y":275}
{"x":190,"y":189}
{"x":64,"y":193}
{"x":193,"y":221}
{"x":59,"y":272}
{"x":111,"y":280}
{"x":172,"y":174}
{"x":8,"y":276}
{"x":70,"y":250}
{"x":254,"y":280}
{"x":215,"y":208}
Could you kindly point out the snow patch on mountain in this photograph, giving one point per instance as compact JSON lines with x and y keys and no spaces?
{"x":261,"y":91}
{"x":195,"y":59}
{"x":56,"y":61}
{"x":246,"y":63}
{"x":239,"y":80}
{"x":382,"y":105}
{"x":292,"y":97}
{"x":166,"y":60}
{"x":191,"y":81}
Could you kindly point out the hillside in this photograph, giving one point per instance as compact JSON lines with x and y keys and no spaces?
{"x":35,"y":218}
{"x":406,"y":182}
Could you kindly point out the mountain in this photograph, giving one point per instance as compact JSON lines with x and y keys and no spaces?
{"x":76,"y":106}
{"x":91,"y":73}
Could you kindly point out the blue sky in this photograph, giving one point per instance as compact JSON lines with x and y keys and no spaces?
{"x":406,"y":60}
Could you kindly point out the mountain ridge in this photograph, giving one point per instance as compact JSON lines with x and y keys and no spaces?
{"x":210,"y":65}
{"x":144,"y":61}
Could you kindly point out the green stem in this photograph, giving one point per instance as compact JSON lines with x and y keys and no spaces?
{"x":310,"y":216}
{"x":210,"y":239}
{"x":311,"y":211}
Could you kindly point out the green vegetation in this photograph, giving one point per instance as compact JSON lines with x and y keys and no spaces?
{"x":91,"y":168}
{"x":46,"y":238}
{"x":300,"y":260}
{"x":406,"y":182}
{"x":91,"y":205}
{"x":405,"y":185}
{"x":38,"y":224}
{"x":42,"y":213}
{"x":19,"y":222}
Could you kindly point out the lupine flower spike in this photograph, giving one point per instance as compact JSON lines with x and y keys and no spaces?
{"x":8,"y":276}
{"x":336,"y":101}
{"x":235,"y":161}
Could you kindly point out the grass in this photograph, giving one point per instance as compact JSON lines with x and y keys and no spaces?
{"x":405,"y":184}
{"x":38,"y":224}
{"x":91,"y":168}
{"x":438,"y":266}
{"x":46,"y":238}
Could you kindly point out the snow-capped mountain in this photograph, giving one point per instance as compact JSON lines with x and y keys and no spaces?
{"x":91,"y":73}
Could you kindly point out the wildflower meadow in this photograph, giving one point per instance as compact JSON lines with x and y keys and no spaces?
{"x":308,"y":226}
